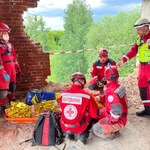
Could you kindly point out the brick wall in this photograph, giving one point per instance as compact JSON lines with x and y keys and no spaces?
{"x":33,"y":61}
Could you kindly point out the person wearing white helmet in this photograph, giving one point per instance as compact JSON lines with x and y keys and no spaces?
{"x":142,"y":48}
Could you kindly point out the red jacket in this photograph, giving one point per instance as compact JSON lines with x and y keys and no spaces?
{"x":134,"y":49}
{"x":9,"y":60}
{"x":98,"y":68}
{"x":78,"y":108}
{"x":7,"y":51}
{"x":116,"y":105}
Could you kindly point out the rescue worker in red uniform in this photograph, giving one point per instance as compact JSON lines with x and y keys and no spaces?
{"x":9,"y":60}
{"x":4,"y":86}
{"x":97,"y":73}
{"x":78,"y":108}
{"x":142,"y":48}
{"x":113,"y":117}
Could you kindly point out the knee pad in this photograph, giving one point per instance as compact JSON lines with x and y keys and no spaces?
{"x":97,"y":129}
{"x":3,"y":94}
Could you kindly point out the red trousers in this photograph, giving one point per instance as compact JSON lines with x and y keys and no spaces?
{"x":144,"y":83}
{"x":105,"y":128}
{"x":10,"y":69}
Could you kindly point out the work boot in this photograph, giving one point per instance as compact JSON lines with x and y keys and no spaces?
{"x":70,"y":136}
{"x":83,"y":137}
{"x":2,"y":113}
{"x":145,"y":112}
{"x":115,"y":135}
{"x":83,"y":140}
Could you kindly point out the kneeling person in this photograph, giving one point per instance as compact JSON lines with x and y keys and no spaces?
{"x":78,"y":109}
{"x":113,"y":117}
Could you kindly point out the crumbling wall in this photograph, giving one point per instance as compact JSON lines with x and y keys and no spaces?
{"x":33,"y":61}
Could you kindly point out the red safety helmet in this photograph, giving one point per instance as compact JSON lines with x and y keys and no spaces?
{"x":103,"y":52}
{"x":4,"y":27}
{"x":78,"y":75}
{"x":111,"y":73}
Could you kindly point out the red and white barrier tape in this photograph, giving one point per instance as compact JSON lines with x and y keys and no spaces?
{"x":84,"y":50}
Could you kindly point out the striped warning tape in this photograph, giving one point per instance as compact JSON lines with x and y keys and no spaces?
{"x":85,"y":50}
{"x":72,"y":51}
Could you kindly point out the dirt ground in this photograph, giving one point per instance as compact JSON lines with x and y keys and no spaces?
{"x":136,"y":135}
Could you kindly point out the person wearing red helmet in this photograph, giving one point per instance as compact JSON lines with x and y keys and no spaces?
{"x":9,"y":60}
{"x":97,"y":82}
{"x":77,"y":110}
{"x":141,"y":48}
{"x":113,"y":117}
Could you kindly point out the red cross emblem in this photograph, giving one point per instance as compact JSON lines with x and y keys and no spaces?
{"x":70,"y":112}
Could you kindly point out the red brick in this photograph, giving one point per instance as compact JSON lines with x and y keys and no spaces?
{"x":33,"y":61}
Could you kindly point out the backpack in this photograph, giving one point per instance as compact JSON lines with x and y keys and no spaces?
{"x":47,"y":131}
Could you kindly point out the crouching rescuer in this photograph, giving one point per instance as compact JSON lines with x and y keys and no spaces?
{"x":78,"y":110}
{"x":97,"y":82}
{"x":113,"y":117}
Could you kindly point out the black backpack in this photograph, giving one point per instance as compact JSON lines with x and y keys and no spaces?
{"x":47,"y":131}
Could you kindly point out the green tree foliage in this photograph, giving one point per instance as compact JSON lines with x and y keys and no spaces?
{"x":114,"y":31}
{"x":50,"y":40}
{"x":37,"y":30}
{"x":78,"y":19}
{"x":80,"y":32}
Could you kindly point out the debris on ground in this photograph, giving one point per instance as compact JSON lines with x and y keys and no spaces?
{"x":134,"y":136}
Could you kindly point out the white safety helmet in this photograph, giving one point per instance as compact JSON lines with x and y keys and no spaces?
{"x":141,"y":22}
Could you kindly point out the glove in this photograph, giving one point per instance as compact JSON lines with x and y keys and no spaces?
{"x":18,"y":70}
{"x":97,"y":98}
{"x":101,"y":83}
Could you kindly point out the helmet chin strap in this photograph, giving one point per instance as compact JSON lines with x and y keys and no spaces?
{"x":82,"y":85}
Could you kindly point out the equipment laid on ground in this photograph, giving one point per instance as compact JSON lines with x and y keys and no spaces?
{"x":37,"y":96}
{"x":47,"y":131}
{"x":38,"y":102}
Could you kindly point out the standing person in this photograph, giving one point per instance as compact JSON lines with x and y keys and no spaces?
{"x":9,"y":60}
{"x":113,"y":117}
{"x":78,"y":108}
{"x":4,"y":86}
{"x":97,"y":72}
{"x":142,"y":48}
